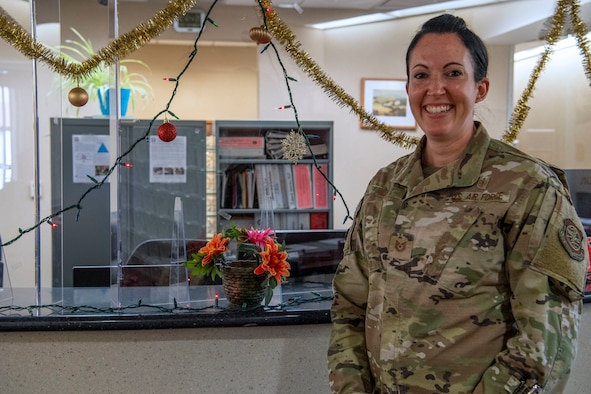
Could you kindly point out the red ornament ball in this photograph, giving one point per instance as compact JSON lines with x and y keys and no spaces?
{"x":167,"y":132}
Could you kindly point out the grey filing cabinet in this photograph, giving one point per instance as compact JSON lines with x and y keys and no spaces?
{"x":146,"y":199}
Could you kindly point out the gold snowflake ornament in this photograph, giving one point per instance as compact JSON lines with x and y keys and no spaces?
{"x":294,"y":146}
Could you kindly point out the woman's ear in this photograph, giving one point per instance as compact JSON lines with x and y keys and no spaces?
{"x":482,"y":89}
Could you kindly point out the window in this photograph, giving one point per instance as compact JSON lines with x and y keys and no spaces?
{"x":5,"y":136}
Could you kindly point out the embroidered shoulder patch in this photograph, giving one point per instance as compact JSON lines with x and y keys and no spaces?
{"x":572,"y":239}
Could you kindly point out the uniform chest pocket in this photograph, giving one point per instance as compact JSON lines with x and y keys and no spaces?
{"x":433,"y":248}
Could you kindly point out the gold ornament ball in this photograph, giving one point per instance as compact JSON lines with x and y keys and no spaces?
{"x":78,"y":97}
{"x":260,"y":35}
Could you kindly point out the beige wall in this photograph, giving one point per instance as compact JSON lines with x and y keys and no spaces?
{"x":221,"y":83}
{"x":558,"y":124}
{"x":257,"y":360}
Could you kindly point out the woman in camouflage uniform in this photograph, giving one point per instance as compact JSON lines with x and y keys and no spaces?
{"x":465,"y":265}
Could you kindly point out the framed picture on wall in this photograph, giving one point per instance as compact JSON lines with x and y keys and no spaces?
{"x":386,"y":99}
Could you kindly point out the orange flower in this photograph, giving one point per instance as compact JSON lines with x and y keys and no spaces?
{"x":215,"y":247}
{"x":274,"y":261}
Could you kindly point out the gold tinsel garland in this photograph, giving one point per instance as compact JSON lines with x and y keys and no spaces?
{"x":521,"y":109}
{"x":580,"y":30}
{"x":286,"y":37}
{"x":21,"y":40}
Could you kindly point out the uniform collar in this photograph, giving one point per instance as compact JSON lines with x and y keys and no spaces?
{"x":461,"y":173}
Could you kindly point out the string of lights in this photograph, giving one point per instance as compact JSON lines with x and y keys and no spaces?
{"x":166,"y":111}
{"x":140,"y":307}
{"x":288,"y":145}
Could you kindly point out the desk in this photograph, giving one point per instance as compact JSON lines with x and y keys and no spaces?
{"x":145,"y":301}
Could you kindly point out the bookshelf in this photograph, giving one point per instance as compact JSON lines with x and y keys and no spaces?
{"x":257,"y":187}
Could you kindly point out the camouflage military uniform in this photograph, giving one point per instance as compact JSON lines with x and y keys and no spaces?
{"x":467,"y":281}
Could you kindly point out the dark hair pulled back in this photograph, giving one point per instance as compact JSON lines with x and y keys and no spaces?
{"x":447,"y":23}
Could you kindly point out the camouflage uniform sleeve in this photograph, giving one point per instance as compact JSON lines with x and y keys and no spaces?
{"x":349,"y":370}
{"x":546,"y":269}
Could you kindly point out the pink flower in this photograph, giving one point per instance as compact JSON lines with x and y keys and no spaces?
{"x":259,"y":237}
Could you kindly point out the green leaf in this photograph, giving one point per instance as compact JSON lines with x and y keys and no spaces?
{"x":268,"y":295}
{"x":210,"y":270}
{"x":249,"y":249}
{"x":233,"y":232}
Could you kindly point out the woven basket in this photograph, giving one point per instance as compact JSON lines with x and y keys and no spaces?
{"x":243,"y":288}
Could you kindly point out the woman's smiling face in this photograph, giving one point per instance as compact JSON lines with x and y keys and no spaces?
{"x":441,"y":86}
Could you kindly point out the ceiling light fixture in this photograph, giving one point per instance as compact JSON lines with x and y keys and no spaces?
{"x":565,"y":43}
{"x":295,"y":6}
{"x":403,"y":13}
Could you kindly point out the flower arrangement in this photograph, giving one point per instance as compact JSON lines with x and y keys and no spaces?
{"x":253,"y":244}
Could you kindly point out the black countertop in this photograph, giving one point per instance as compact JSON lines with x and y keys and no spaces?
{"x":136,"y":308}
{"x":162,"y":321}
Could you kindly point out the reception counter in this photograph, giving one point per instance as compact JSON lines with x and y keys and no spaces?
{"x":132,"y":308}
